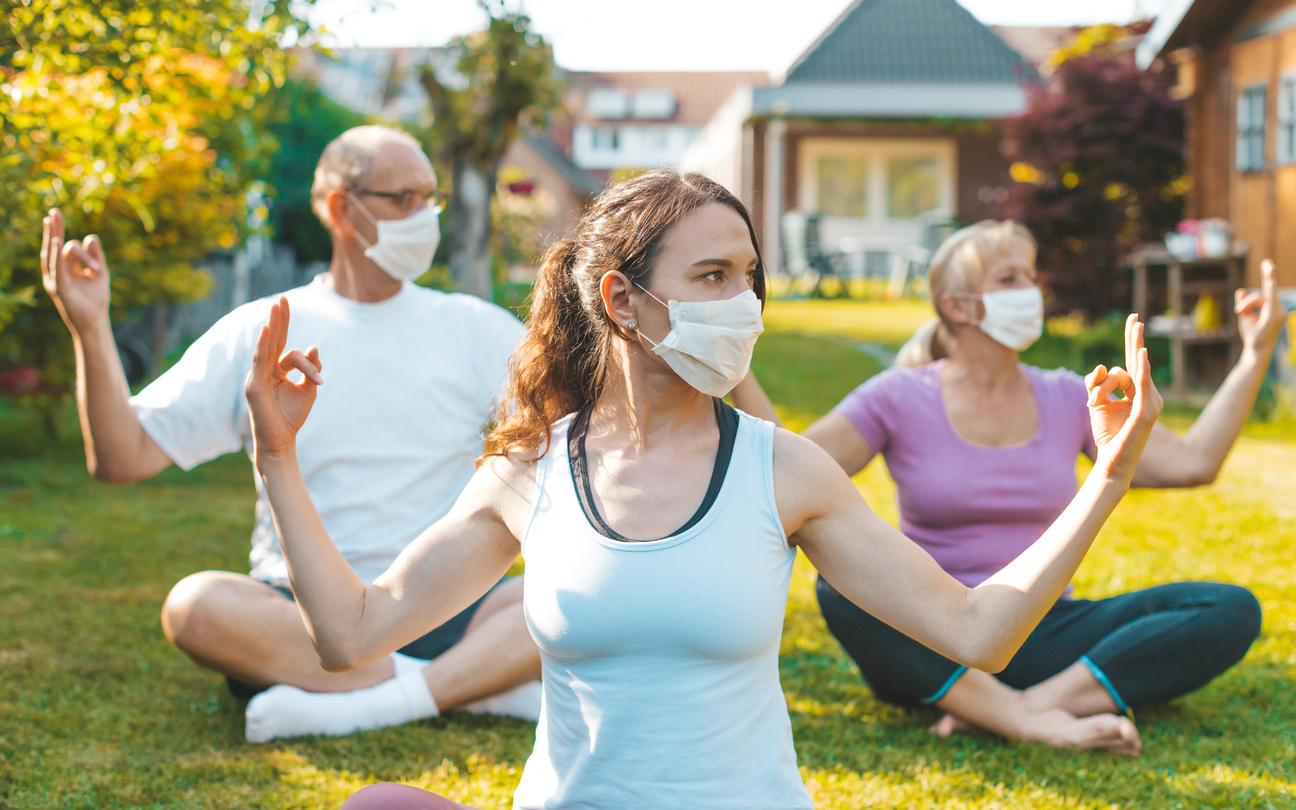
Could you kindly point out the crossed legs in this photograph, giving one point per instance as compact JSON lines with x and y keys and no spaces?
{"x":247,"y":631}
{"x":1087,"y":663}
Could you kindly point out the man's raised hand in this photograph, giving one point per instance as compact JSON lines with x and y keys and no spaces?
{"x":1121,"y":426}
{"x":75,"y":275}
{"x":277,"y":405}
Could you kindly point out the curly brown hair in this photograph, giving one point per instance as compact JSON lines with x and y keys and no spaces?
{"x":561,"y":364}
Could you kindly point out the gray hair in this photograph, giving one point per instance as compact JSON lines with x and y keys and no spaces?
{"x":347,"y":162}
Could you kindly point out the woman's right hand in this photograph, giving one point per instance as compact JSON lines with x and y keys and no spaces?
{"x":278,"y":406}
{"x":1121,"y":426}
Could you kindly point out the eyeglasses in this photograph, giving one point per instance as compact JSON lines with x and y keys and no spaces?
{"x":408,"y":200}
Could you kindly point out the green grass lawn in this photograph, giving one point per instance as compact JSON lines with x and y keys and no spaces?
{"x":98,"y":711}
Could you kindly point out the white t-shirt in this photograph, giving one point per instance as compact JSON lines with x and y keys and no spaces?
{"x":409,"y":385}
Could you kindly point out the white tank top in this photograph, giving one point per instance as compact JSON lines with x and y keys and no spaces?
{"x":660,"y":658}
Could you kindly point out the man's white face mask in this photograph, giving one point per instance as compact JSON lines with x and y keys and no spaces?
{"x":710,"y":342}
{"x":1014,"y":318}
{"x":405,"y":247}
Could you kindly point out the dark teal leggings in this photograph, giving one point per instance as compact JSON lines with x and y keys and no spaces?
{"x":1145,"y":647}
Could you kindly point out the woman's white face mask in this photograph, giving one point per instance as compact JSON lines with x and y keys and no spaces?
{"x":405,"y":247}
{"x":710,"y":342}
{"x":1014,"y":318}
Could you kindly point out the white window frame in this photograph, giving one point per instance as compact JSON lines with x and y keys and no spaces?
{"x":811,"y":149}
{"x":614,"y":139}
{"x":1249,"y":131}
{"x":1286,"y":140}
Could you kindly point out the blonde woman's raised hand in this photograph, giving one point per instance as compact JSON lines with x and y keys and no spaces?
{"x":1260,"y":314}
{"x":1121,"y":426}
{"x":278,"y":406}
{"x":75,"y":274}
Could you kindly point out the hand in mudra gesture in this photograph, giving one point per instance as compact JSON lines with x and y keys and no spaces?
{"x":278,"y":406}
{"x":75,"y":274}
{"x":1121,"y":426}
{"x":1261,"y":314}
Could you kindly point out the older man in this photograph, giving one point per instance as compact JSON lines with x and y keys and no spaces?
{"x":410,"y":383}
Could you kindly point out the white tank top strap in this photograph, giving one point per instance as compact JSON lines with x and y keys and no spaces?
{"x":545,"y":473}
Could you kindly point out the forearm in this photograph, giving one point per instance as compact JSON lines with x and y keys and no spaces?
{"x":1004,"y":609}
{"x":330,"y":595}
{"x":115,"y":442}
{"x":1208,"y":442}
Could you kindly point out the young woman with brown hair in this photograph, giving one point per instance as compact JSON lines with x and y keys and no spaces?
{"x":659,"y":525}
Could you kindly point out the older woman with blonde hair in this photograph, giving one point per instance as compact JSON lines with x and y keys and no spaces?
{"x":983,"y":451}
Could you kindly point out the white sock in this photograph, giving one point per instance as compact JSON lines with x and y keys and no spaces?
{"x":522,"y":703}
{"x":286,"y":711}
{"x":407,"y":663}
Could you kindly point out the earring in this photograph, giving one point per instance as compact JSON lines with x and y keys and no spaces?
{"x":630,"y":325}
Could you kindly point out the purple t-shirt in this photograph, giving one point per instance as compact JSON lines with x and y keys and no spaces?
{"x":973,"y":508}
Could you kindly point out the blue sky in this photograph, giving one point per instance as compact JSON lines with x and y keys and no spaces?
{"x":670,"y":34}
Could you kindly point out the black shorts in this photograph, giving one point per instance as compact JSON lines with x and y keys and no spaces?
{"x":425,"y":647}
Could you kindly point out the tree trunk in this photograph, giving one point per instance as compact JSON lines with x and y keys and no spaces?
{"x":470,"y":259}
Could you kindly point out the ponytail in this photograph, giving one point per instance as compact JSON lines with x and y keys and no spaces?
{"x":930,"y":342}
{"x":556,"y":369}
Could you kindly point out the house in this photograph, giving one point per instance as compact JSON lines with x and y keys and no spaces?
{"x":1236,"y":63}
{"x":384,"y":82}
{"x":620,"y":122}
{"x":890,"y":119}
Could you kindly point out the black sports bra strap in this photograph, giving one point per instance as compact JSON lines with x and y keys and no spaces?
{"x":726,"y":418}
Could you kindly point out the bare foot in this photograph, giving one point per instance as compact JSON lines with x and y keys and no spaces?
{"x":950,"y":724}
{"x":1110,"y":731}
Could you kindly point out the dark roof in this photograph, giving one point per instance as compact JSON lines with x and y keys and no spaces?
{"x":909,"y":41}
{"x":1202,"y":23}
{"x":574,"y":175}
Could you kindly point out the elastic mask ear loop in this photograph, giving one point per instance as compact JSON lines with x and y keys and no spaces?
{"x":658,"y":300}
{"x":364,"y":211}
{"x":977,"y":296}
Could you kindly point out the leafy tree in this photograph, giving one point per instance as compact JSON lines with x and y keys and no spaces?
{"x":1099,"y":168}
{"x":305,"y":120}
{"x":506,"y":80}
{"x":143,"y":121}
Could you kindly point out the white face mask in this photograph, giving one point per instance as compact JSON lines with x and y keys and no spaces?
{"x":710,"y":342}
{"x":405,"y":247}
{"x":1014,"y":318}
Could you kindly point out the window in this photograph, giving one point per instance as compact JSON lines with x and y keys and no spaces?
{"x":886,"y":183}
{"x":606,"y":102}
{"x":842,"y":182}
{"x":913,"y":186}
{"x":654,"y":104}
{"x":655,"y":139}
{"x":605,"y":139}
{"x":1251,"y":129}
{"x":1287,"y":119}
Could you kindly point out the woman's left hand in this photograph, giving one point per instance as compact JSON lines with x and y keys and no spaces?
{"x":1260,"y":314}
{"x":1121,"y":426}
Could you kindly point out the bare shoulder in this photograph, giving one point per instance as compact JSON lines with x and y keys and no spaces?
{"x":794,"y":452}
{"x":507,"y":485}
{"x":806,"y":479}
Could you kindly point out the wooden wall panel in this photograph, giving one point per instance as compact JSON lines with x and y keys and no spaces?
{"x":1284,"y":254}
{"x":1210,"y":137}
{"x":1251,"y":209}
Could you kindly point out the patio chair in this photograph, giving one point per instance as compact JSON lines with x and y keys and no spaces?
{"x":805,"y":259}
{"x":910,"y":266}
